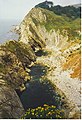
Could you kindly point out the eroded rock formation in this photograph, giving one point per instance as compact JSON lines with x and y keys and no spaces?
{"x":63,"y":47}
{"x":14,"y":58}
{"x":42,"y":29}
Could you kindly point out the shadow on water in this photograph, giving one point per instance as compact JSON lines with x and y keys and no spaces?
{"x":39,"y":92}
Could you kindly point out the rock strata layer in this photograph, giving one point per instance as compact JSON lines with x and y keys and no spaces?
{"x":63,"y":47}
{"x":14,"y":59}
{"x":60,"y":38}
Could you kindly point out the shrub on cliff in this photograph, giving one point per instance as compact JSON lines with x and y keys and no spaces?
{"x":69,"y":11}
{"x":46,"y":111}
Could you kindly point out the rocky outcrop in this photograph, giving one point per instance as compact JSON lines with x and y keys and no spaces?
{"x":63,"y":81}
{"x":42,"y":27}
{"x":41,"y":30}
{"x":14,"y":59}
{"x":10,"y":105}
{"x":28,"y":29}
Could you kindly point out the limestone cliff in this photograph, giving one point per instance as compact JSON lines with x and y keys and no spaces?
{"x":43,"y":29}
{"x":59,"y":36}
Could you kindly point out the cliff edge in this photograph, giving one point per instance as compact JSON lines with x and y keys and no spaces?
{"x":59,"y":36}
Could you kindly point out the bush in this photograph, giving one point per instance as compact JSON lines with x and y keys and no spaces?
{"x":46,"y":111}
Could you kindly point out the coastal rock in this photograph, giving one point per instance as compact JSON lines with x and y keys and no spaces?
{"x":14,"y":59}
{"x":43,"y":30}
{"x":10,"y":105}
{"x":40,"y":26}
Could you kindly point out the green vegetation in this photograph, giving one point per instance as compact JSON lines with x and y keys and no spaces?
{"x":61,"y":23}
{"x":69,"y":11}
{"x":62,"y":18}
{"x":46,"y":112}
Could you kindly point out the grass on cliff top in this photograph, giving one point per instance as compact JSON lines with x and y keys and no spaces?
{"x":56,"y":22}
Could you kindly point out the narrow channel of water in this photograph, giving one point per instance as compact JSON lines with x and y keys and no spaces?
{"x":39,"y":92}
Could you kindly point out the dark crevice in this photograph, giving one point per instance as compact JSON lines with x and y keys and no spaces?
{"x":39,"y":53}
{"x":38,"y":91}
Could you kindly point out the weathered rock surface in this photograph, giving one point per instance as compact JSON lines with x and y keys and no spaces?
{"x":14,"y":58}
{"x":41,"y":29}
{"x":10,"y":105}
{"x":63,"y":80}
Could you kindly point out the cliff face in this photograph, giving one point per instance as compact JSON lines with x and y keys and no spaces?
{"x":14,"y":58}
{"x":10,"y":105}
{"x":44,"y":29}
{"x":60,"y":38}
